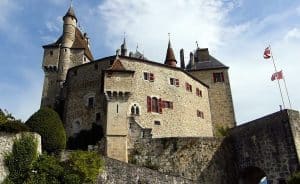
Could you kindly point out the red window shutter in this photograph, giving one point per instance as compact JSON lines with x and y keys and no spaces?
{"x":197,"y":91}
{"x":151,"y":77}
{"x":160,"y":106}
{"x":148,"y":103}
{"x":177,"y":82}
{"x":222,"y":75}
{"x":163,"y":104}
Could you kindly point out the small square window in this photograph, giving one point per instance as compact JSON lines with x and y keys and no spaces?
{"x":149,"y":76}
{"x":218,"y":77}
{"x":156,"y":122}
{"x":91,"y":102}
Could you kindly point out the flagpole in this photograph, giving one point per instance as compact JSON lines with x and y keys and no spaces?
{"x":287,"y":93}
{"x":277,"y":77}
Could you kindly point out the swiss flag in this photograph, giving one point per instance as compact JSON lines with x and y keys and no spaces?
{"x":267,"y":53}
{"x":277,"y":75}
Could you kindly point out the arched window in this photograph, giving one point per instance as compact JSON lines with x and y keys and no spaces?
{"x":154,"y":104}
{"x":135,"y":110}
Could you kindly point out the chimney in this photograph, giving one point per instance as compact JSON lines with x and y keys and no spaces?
{"x":192,"y":60}
{"x":182,"y":63}
{"x":203,"y":55}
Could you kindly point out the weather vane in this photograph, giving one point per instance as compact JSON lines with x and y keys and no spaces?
{"x":169,"y":34}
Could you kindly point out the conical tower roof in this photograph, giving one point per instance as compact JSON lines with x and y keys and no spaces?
{"x":170,"y":57}
{"x":71,"y":13}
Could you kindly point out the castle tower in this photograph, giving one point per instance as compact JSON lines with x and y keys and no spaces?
{"x":215,"y":74}
{"x":117,"y":88}
{"x":68,"y":38}
{"x":170,"y":57}
{"x":70,"y":49}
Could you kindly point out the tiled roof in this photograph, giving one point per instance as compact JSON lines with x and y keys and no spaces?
{"x":71,"y":13}
{"x":213,"y":63}
{"x":170,"y":57}
{"x":79,"y":43}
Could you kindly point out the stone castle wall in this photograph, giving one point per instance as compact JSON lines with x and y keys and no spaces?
{"x":185,"y":103}
{"x":120,"y":172}
{"x":220,"y":98}
{"x":268,"y":143}
{"x":203,"y":160}
{"x":6,"y":144}
{"x":83,"y":83}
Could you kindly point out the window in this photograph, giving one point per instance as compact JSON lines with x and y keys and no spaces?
{"x":149,"y":76}
{"x":154,"y":104}
{"x":51,"y":53}
{"x":188,"y":87}
{"x":168,"y":104}
{"x":135,"y":110}
{"x":218,"y":77}
{"x":174,"y":82}
{"x":200,"y":114}
{"x":91,"y":102}
{"x":98,"y":116}
{"x":198,"y":92}
{"x":156,"y":122}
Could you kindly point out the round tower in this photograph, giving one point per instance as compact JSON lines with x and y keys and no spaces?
{"x":68,"y":37}
{"x":170,"y":57}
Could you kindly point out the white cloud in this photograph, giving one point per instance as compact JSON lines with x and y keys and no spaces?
{"x":148,"y":22}
{"x":292,"y":34}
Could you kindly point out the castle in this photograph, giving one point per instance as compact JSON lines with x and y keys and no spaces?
{"x":163,"y":115}
{"x":118,"y":91}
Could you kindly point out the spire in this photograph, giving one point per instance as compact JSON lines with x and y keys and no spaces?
{"x":123,"y":46}
{"x":71,"y":12}
{"x":170,"y":57}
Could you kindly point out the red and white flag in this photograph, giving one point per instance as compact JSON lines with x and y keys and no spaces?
{"x":277,"y":75}
{"x":267,"y":53}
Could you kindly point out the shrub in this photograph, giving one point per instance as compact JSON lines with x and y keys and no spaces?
{"x":47,"y":123}
{"x":86,"y":165}
{"x":295,"y":178}
{"x":19,"y":162}
{"x":15,"y":126}
{"x":5,"y":116}
{"x":222,"y":131}
{"x":46,"y":169}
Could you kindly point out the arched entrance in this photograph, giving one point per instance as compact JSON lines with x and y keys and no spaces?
{"x":252,"y":175}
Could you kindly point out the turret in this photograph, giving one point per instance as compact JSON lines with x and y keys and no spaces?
{"x":68,"y":38}
{"x":124,"y":48}
{"x":170,"y":57}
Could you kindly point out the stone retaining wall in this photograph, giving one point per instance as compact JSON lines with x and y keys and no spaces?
{"x":6,"y":144}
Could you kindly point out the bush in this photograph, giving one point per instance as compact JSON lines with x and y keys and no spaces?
{"x":47,"y":123}
{"x":222,"y":131}
{"x":86,"y":165}
{"x":15,"y":126}
{"x":295,"y":178}
{"x":47,"y":169}
{"x":19,"y":162}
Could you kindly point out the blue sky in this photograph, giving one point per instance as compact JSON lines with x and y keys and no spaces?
{"x":236,"y":32}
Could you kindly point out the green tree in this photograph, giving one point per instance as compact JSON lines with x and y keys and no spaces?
{"x":47,"y":123}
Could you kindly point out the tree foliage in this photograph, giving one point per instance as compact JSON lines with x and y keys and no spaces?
{"x":47,"y":123}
